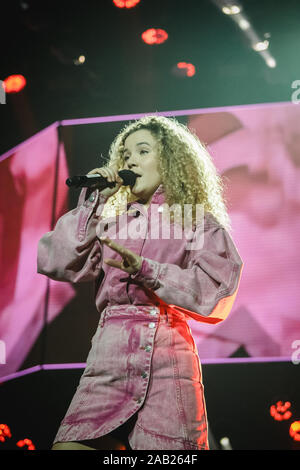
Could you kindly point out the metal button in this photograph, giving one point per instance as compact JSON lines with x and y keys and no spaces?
{"x":148,"y":348}
{"x":153,"y":311}
{"x":151,"y":325}
{"x":144,"y":374}
{"x":92,"y":197}
{"x":138,"y":400}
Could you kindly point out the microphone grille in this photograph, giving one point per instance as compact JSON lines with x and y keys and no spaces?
{"x":128,"y":177}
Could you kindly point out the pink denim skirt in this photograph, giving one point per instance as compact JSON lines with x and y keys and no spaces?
{"x":142,"y":382}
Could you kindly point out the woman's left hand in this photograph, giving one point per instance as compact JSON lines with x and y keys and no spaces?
{"x":131,"y":262}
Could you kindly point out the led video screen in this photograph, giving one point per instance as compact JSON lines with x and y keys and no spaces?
{"x":256,"y":150}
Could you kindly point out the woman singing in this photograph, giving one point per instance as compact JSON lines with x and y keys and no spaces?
{"x":142,"y":386}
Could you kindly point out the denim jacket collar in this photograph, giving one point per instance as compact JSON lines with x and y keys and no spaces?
{"x":157,"y":198}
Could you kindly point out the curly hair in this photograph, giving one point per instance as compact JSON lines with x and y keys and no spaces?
{"x":188,"y":173}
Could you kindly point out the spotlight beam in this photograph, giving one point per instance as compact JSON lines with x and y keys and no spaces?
{"x":234,"y":10}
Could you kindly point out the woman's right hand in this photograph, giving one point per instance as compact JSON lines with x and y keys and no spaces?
{"x":111,"y":173}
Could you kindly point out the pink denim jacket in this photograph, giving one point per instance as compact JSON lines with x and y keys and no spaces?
{"x":202,"y":283}
{"x":143,"y":361}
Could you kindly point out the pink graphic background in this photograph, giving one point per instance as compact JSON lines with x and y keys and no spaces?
{"x":257,"y":151}
{"x":27,"y":179}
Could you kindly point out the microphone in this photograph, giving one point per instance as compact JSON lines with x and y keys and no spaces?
{"x":87,"y":181}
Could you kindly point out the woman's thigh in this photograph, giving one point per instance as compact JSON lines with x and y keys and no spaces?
{"x":115,"y":440}
{"x":107,"y":442}
{"x":70,"y":446}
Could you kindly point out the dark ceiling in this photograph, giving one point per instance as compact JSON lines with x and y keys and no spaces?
{"x":123,"y":75}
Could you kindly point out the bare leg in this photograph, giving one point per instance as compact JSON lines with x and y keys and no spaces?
{"x":116,"y":440}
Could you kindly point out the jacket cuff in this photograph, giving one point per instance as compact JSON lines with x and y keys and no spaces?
{"x":148,"y":273}
{"x":94,"y":203}
{"x":90,"y":197}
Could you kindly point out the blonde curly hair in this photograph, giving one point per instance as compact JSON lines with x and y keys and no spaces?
{"x":188,"y":173}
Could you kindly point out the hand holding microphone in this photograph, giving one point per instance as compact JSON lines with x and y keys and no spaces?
{"x":111,"y":174}
{"x":108,"y":181}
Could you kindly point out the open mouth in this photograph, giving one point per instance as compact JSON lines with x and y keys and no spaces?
{"x":137,"y":176}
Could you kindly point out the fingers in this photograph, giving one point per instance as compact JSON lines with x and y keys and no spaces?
{"x":130,"y":263}
{"x":124,"y":252}
{"x":115,"y":246}
{"x":117,"y":264}
{"x":113,"y":263}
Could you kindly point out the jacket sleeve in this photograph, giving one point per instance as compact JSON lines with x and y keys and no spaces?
{"x":72,"y":251}
{"x":206,"y":287}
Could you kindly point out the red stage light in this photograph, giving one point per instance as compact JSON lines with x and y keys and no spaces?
{"x":14,"y":83}
{"x":154,"y":36}
{"x":295,"y":430}
{"x":4,"y":432}
{"x":26,"y":442}
{"x":190,"y":68}
{"x":280,"y":411}
{"x":126,"y":3}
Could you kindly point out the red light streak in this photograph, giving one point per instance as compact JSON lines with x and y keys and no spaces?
{"x":126,"y":3}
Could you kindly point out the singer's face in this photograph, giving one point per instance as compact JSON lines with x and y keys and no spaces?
{"x":141,"y":157}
